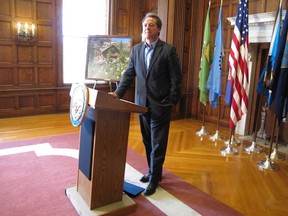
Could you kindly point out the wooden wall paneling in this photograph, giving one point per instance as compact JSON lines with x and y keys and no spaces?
{"x":26,"y":66}
{"x":63,"y":100}
{"x":6,"y":74}
{"x":112,"y":17}
{"x":5,"y":9}
{"x":6,"y":54}
{"x":122,"y":21}
{"x":7,"y":102}
{"x":45,"y":32}
{"x":179,"y":42}
{"x":186,"y":44}
{"x":136,"y":23}
{"x":45,"y":55}
{"x":25,"y":54}
{"x":150,"y":6}
{"x":47,"y":100}
{"x":59,"y":46}
{"x":170,"y":20}
{"x":273,"y":5}
{"x":186,"y":61}
{"x":26,"y":76}
{"x":190,"y":58}
{"x":46,"y":76}
{"x":178,"y":30}
{"x":163,"y":6}
{"x":122,"y":11}
{"x":197,"y":23}
{"x":5,"y":29}
{"x":27,"y":101}
{"x":24,"y":9}
{"x":46,"y":48}
{"x":45,"y":10}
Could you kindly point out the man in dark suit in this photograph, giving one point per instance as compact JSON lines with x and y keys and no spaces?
{"x":155,"y":65}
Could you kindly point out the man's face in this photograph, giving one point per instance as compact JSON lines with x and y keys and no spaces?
{"x":150,"y":29}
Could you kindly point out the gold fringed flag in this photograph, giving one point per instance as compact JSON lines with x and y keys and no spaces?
{"x":205,"y":60}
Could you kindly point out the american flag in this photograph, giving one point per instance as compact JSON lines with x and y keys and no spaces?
{"x":238,"y":65}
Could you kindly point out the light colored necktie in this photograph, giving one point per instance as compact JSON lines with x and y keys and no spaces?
{"x":148,"y":54}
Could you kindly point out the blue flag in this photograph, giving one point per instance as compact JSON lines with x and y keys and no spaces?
{"x":260,"y":86}
{"x":228,"y":94}
{"x":280,"y":78}
{"x":213,"y":83}
{"x":281,"y":96}
{"x":266,"y":77}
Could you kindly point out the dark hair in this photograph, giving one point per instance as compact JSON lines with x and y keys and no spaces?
{"x":153,"y":15}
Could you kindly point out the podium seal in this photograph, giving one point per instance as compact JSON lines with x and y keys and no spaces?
{"x":79,"y":103}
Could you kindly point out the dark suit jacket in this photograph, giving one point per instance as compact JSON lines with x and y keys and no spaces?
{"x":161,"y":83}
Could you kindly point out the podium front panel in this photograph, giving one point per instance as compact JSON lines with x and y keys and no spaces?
{"x":102,"y":184}
{"x":86,"y":145}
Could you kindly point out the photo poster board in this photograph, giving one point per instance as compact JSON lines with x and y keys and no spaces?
{"x":107,"y":57}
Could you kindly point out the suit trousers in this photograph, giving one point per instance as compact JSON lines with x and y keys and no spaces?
{"x":155,"y":130}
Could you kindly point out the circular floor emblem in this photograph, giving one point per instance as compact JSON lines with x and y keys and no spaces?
{"x":78,"y":104}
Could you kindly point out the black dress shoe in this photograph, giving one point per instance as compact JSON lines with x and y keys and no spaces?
{"x":145,"y":178}
{"x":151,"y":188}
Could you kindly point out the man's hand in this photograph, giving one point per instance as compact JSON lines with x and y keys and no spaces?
{"x":114,"y":95}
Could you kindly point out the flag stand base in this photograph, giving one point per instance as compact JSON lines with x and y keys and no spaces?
{"x":233,"y":141}
{"x":202,"y":131}
{"x":216,"y":136}
{"x":267,"y":165}
{"x":228,"y":150}
{"x":274,"y":155}
{"x":253,"y":148}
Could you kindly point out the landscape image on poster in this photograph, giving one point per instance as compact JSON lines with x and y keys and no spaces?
{"x":107,"y":57}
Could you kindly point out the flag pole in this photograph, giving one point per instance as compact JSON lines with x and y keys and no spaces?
{"x":202,"y":131}
{"x":253,"y":147}
{"x":274,"y":155}
{"x":229,"y":149}
{"x":279,"y":84}
{"x":232,"y":140}
{"x":266,"y":73}
{"x":204,"y":69}
{"x":216,"y":136}
{"x":268,"y":164}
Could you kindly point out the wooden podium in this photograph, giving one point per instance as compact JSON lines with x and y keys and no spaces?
{"x":102,"y":154}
